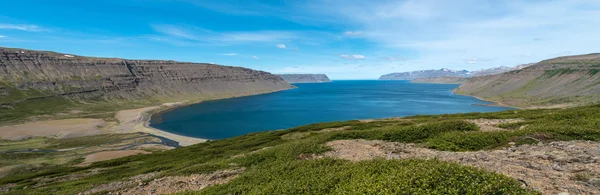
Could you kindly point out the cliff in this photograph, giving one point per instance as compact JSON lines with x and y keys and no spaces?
{"x":27,"y":75}
{"x":305,"y":78}
{"x":559,"y":82}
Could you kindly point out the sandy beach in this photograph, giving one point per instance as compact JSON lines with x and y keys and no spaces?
{"x":138,"y":120}
{"x":130,"y":121}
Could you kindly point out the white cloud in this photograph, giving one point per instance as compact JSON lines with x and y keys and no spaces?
{"x":471,"y":61}
{"x":438,"y":33}
{"x":353,"y":33}
{"x":229,"y":54}
{"x":22,"y":27}
{"x":2,"y":36}
{"x":256,"y":58}
{"x":280,"y":46}
{"x":178,"y":31}
{"x":352,"y":57}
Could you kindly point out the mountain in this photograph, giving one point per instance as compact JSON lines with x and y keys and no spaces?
{"x":305,"y":78}
{"x":422,"y":74}
{"x":28,"y":76}
{"x":425,"y":74}
{"x":497,"y":70}
{"x":441,"y":80}
{"x":558,"y":82}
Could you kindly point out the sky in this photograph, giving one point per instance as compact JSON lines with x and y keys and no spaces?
{"x":346,"y":39}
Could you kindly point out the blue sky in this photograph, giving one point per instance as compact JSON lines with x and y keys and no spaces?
{"x":346,"y":39}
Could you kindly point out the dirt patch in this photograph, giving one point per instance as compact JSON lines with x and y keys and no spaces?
{"x":335,"y":129}
{"x":169,"y":185}
{"x":300,"y":135}
{"x":68,"y":128}
{"x":355,"y":150}
{"x":108,"y":155}
{"x":121,"y":184}
{"x":7,"y":187}
{"x":492,"y":124}
{"x":550,"y":168}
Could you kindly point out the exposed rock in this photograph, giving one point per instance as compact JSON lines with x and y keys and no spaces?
{"x":305,"y":78}
{"x":548,"y":168}
{"x":492,"y":124}
{"x":76,"y":77}
{"x":114,"y":186}
{"x":174,"y":184}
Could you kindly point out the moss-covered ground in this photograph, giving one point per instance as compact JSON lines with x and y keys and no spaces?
{"x":274,"y":164}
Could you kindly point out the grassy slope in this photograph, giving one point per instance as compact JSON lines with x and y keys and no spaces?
{"x":23,"y":105}
{"x":570,"y":81}
{"x":275,"y":166}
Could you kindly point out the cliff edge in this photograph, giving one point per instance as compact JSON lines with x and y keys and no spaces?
{"x":33,"y":76}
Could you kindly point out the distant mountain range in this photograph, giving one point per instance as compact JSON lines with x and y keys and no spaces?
{"x":444,"y":72}
{"x":305,"y":78}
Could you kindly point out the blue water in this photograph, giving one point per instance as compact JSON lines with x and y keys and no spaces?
{"x":312,"y":103}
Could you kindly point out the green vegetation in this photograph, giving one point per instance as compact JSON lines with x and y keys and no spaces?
{"x":558,"y":72}
{"x":42,"y":153}
{"x":276,"y":165}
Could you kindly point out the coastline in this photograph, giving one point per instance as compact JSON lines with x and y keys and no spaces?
{"x":493,"y":103}
{"x":146,"y":128}
{"x":146,"y":116}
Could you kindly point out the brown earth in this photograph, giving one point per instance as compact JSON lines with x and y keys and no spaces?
{"x":491,"y":124}
{"x":551,"y":168}
{"x":67,"y":128}
{"x":166,"y":185}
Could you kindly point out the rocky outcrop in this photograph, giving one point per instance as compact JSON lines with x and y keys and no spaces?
{"x":44,"y":74}
{"x":559,"y":82}
{"x":305,"y":78}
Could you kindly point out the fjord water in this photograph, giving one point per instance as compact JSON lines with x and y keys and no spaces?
{"x":312,"y":103}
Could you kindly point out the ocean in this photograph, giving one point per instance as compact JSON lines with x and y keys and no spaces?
{"x":313,"y":103}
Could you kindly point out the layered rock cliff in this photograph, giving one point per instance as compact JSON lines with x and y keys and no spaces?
{"x":305,"y":78}
{"x":77,"y":77}
{"x":559,"y":82}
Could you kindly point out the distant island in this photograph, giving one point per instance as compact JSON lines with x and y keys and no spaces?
{"x":305,"y":78}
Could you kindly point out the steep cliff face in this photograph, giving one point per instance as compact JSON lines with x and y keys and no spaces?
{"x":564,"y":81}
{"x":26,"y":74}
{"x":305,"y":78}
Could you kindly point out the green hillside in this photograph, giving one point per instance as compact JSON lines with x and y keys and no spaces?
{"x":559,"y":82}
{"x":296,"y":161}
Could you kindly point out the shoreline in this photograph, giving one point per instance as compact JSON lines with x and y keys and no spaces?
{"x":145,"y":127}
{"x":146,"y":116}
